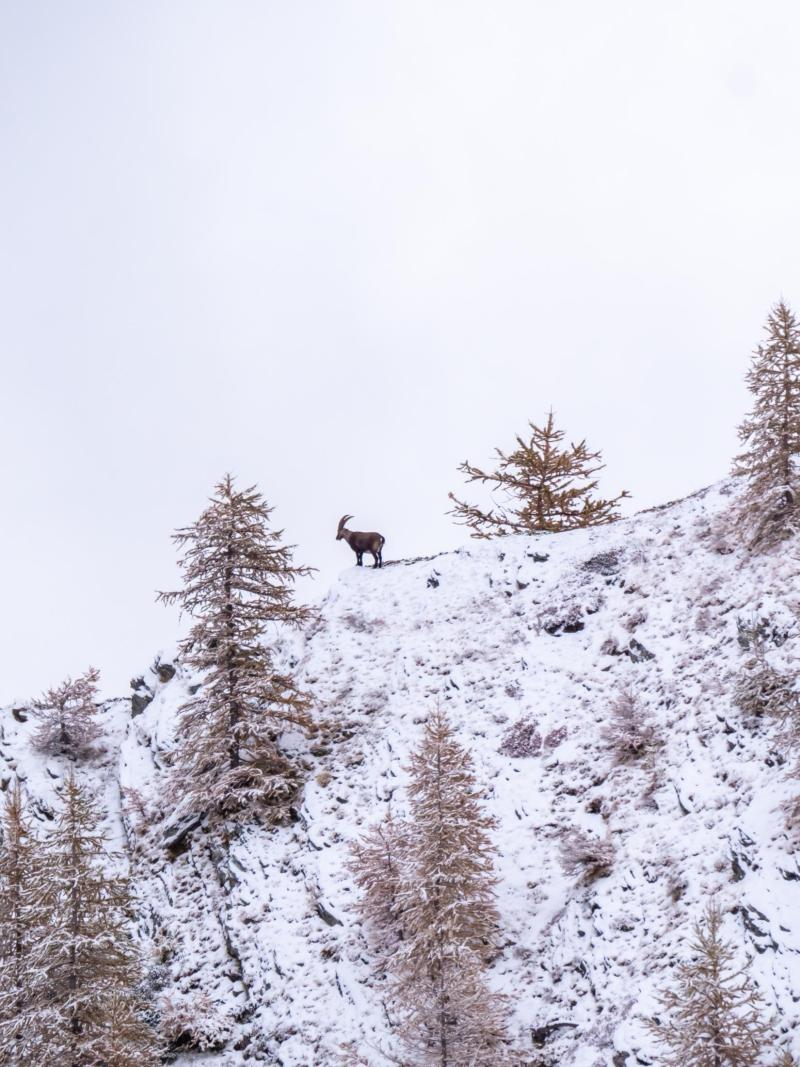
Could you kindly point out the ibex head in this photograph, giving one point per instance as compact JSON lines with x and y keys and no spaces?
{"x":340,"y":531}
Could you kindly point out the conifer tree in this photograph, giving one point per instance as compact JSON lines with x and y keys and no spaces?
{"x":714,"y":1013}
{"x":125,"y":1039}
{"x":238,"y":579}
{"x":67,"y":717}
{"x":91,"y":964}
{"x":377,"y":863}
{"x":630,"y":732}
{"x":771,"y":433}
{"x":22,"y":929}
{"x":449,"y":914}
{"x":545,"y":488}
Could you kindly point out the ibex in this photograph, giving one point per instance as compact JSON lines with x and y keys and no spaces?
{"x":362,"y":542}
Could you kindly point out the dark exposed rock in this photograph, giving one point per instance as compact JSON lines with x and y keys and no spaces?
{"x":736,"y":868}
{"x":569,"y":626}
{"x":751,"y":917}
{"x":139,"y":701}
{"x":327,"y":916}
{"x":142,"y":696}
{"x":637,"y":652}
{"x":178,"y":829}
{"x":20,"y":714}
{"x":433,"y":580}
{"x":166,"y":672}
{"x":541,"y":1034}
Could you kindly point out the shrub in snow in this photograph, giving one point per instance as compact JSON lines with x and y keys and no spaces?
{"x":630,"y":733}
{"x":555,"y":737}
{"x":193,"y":1021}
{"x":763,"y":689}
{"x":565,"y":617}
{"x":583,"y":854}
{"x":521,"y":740}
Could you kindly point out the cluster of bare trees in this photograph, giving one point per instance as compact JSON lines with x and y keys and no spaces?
{"x":69,"y":970}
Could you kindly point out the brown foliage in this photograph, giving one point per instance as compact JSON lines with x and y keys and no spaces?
{"x":238,"y":579}
{"x":545,"y":488}
{"x":714,"y":1013}
{"x":768,"y":511}
{"x":67,"y":717}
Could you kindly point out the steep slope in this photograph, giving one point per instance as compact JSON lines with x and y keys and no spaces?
{"x":256,"y":949}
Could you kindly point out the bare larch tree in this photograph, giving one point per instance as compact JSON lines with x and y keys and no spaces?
{"x":92,"y":965}
{"x":544,"y":486}
{"x":23,"y":921}
{"x":238,"y":579}
{"x":68,"y":717}
{"x":449,"y":914}
{"x":630,"y":732}
{"x":771,"y":434}
{"x":377,"y":864}
{"x":714,"y":1013}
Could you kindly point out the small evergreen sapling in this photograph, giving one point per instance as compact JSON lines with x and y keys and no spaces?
{"x":771,"y":435}
{"x":629,"y":733}
{"x":714,"y":1013}
{"x":67,"y":717}
{"x":238,"y":579}
{"x":545,"y":488}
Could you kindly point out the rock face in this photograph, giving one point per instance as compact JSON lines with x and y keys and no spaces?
{"x":261,"y":955}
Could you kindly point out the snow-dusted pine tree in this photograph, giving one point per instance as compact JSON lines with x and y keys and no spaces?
{"x":92,"y":966}
{"x":544,"y":488}
{"x":771,"y":434}
{"x":125,"y":1039}
{"x":449,"y":914}
{"x":714,"y":1014}
{"x":630,"y":732}
{"x":67,"y":717}
{"x":763,"y":688}
{"x":238,"y":578}
{"x":377,"y":863}
{"x":22,"y":928}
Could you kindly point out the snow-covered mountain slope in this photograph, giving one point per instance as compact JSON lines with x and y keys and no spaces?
{"x":258,"y":949}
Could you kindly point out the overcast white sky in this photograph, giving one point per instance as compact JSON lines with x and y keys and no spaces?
{"x":337,"y":248}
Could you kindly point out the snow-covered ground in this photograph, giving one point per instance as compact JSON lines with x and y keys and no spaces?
{"x":255,"y":943}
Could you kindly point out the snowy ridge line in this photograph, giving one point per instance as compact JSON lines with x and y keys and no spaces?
{"x":254,"y":942}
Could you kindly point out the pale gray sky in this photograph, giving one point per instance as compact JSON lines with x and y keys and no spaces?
{"x":337,"y":248}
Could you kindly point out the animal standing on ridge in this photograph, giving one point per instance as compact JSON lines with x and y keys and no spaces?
{"x":361,"y":542}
